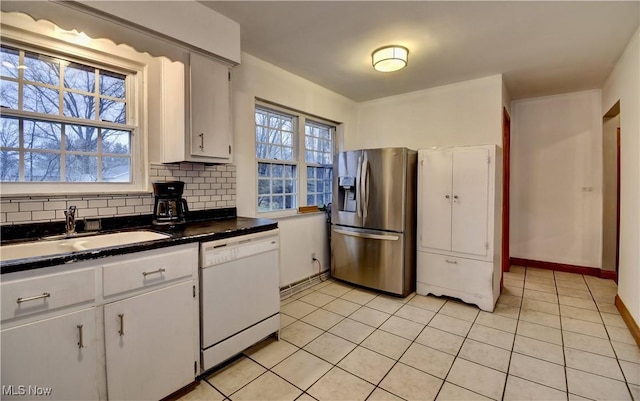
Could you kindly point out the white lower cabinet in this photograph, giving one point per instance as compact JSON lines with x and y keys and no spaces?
{"x":119,"y":328}
{"x":51,"y":359}
{"x":472,"y":281}
{"x":149,"y":343}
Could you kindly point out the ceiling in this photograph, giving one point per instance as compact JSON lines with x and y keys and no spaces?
{"x":542,"y":48}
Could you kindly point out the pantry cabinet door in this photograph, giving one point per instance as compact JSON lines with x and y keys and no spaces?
{"x":51,"y":359}
{"x":435,"y":199}
{"x":470,"y":215}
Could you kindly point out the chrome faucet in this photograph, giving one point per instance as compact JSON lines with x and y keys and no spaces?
{"x":70,"y":220}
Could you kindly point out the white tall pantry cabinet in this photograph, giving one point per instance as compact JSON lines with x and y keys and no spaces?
{"x":459,"y":223}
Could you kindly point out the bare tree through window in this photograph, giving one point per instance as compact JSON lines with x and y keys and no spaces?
{"x":85,"y":139}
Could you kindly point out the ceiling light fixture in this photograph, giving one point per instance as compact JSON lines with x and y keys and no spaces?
{"x":390,"y":58}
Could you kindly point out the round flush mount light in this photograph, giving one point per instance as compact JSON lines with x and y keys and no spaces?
{"x":390,"y":58}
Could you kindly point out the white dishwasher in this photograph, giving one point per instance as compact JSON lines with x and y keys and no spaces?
{"x":239,"y":294}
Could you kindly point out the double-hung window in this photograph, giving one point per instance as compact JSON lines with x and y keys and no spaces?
{"x":294,"y":154}
{"x":65,"y":122}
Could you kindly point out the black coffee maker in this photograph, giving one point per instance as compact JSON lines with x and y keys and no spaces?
{"x":169,"y":207}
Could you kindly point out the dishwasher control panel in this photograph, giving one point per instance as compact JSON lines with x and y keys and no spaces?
{"x":230,"y":249}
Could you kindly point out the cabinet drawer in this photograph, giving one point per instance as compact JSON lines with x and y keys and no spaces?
{"x":39,"y":294}
{"x":148,"y":269}
{"x":473,"y":277}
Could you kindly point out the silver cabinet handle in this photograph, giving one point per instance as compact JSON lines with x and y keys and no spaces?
{"x":201,"y":141}
{"x":80,"y":342}
{"x":160,"y":270}
{"x":454,"y":262}
{"x":121,"y":331}
{"x":44,"y":295}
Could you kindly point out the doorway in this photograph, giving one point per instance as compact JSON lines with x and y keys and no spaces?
{"x":506,"y":174}
{"x":611,"y":190}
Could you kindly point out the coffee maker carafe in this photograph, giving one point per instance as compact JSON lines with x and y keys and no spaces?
{"x":169,"y":207}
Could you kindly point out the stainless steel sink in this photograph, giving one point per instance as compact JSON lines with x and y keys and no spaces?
{"x":76,"y":243}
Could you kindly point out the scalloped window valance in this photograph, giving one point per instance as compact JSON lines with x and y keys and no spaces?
{"x":70,"y":16}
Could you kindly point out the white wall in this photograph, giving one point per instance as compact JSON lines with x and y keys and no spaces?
{"x":303,"y":234}
{"x":556,"y":152}
{"x":464,"y":113}
{"x":624,"y":84}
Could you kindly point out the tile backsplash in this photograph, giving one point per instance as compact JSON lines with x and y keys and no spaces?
{"x":206,"y":187}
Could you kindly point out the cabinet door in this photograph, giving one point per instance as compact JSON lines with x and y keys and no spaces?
{"x":149,"y":342}
{"x":434,"y":207}
{"x":469,"y":220}
{"x":210,"y":128}
{"x":49,"y":354}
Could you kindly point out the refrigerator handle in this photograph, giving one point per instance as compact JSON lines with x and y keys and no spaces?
{"x":357,"y":187}
{"x":365,"y":186}
{"x":366,"y":235}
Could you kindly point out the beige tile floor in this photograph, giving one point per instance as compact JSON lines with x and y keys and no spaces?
{"x":552,"y":336}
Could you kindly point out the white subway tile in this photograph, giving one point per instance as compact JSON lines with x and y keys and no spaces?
{"x":116,"y":202}
{"x":123,"y":210}
{"x":97,"y":203}
{"x":55,"y":205}
{"x":10,"y":207}
{"x":79,"y":204}
{"x":143,"y":209}
{"x":107,"y":211}
{"x":31,"y":206}
{"x":134,"y":202}
{"x":43,"y":215}
{"x":18,"y":216}
{"x":87,"y":212}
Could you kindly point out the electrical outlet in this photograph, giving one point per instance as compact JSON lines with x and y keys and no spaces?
{"x":313,"y":256}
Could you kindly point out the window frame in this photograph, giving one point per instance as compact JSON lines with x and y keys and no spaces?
{"x":101,"y":54}
{"x":300,"y":163}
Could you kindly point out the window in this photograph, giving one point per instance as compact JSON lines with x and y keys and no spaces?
{"x":319,"y":157}
{"x":62,"y":120}
{"x":282,"y":137}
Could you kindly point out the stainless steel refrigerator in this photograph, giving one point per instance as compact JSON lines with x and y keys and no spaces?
{"x":373,"y":219}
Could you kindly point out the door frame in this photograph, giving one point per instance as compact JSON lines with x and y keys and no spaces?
{"x":506,"y":175}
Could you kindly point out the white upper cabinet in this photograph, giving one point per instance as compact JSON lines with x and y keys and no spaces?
{"x":454,"y":205}
{"x":189,"y":111}
{"x":210,"y":111}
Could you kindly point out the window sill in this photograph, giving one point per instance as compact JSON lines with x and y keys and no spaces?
{"x":287,"y":215}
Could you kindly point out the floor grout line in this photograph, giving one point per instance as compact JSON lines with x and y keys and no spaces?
{"x":564,"y":312}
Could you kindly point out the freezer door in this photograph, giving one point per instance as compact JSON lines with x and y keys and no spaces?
{"x":384,"y":188}
{"x":373,"y":259}
{"x":346,"y":208}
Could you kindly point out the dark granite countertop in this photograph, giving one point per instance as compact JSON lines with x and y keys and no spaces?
{"x":201,"y":227}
